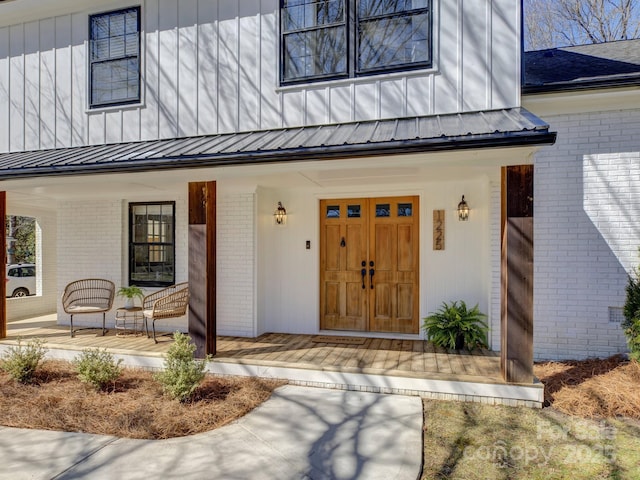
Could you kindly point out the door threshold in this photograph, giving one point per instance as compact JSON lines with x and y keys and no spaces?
{"x":390,"y":335}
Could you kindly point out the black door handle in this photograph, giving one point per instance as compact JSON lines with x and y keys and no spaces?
{"x":372,"y":272}
{"x":363,"y":272}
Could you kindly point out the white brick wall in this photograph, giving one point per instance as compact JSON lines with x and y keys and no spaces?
{"x":587,"y":232}
{"x":236,"y":303}
{"x":494,"y":326}
{"x":89,"y":246}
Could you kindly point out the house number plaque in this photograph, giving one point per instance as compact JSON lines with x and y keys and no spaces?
{"x":438,"y":229}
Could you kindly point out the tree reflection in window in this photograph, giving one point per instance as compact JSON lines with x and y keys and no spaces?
{"x":152,"y":244}
{"x":342,"y":38}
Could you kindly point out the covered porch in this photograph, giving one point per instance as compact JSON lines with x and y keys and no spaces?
{"x":249,"y":276}
{"x":380,"y":364}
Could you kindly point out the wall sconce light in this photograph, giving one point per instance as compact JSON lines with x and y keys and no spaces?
{"x":463,"y":210}
{"x":280,"y":215}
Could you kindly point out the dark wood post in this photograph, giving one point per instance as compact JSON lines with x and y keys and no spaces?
{"x":516,"y":353}
{"x":202,"y":267}
{"x":3,"y":260}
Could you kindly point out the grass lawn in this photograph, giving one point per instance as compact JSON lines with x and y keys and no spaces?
{"x":593,"y":437}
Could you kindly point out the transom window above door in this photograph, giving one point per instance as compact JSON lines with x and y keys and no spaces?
{"x":327,"y":39}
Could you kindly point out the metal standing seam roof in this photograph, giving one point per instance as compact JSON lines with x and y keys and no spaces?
{"x":496,"y":128}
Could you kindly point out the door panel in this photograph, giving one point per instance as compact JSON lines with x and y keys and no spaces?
{"x":394,"y":243}
{"x":377,"y":237}
{"x":343,"y":248}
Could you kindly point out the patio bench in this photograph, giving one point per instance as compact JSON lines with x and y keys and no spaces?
{"x":88,"y":296}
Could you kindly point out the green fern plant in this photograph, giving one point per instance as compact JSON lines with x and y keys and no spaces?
{"x":454,"y":326}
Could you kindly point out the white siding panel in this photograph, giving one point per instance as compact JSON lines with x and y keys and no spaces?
{"x":293,"y":108}
{"x":392,"y":98}
{"x":150,"y":73}
{"x":269,"y":108}
{"x":4,"y":90}
{"x":228,"y":57}
{"x":113,"y":126}
{"x":419,"y":96}
{"x":96,"y":128}
{"x":16,"y":80}
{"x":341,"y":104}
{"x":317,"y":106}
{"x":505,"y":59}
{"x":367,"y":96}
{"x":79,"y":84}
{"x":131,"y":125}
{"x":31,"y":86}
{"x":63,"y":81}
{"x":475,"y":71}
{"x":168,"y":61}
{"x":188,"y":68}
{"x":207,"y":67}
{"x":47,"y":121}
{"x":249,"y":66}
{"x":446,"y":83}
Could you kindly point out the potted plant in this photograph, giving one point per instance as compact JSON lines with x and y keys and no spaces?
{"x":129,"y":294}
{"x":454,"y":326}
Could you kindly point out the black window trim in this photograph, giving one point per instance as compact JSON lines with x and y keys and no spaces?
{"x":132,"y":244}
{"x":114,"y":103}
{"x":352,"y":23}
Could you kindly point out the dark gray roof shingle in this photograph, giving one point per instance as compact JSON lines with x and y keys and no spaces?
{"x":582,"y":66}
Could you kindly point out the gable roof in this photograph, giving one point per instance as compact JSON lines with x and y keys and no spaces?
{"x":497,"y":128}
{"x":579,"y":67}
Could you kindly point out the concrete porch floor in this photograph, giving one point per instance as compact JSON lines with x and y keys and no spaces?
{"x":408,"y":367}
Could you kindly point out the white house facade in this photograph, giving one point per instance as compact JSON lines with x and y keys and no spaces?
{"x":368,"y":145}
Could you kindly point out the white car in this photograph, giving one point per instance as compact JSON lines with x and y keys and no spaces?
{"x":21,"y":280}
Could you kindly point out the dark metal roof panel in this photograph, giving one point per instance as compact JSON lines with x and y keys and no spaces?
{"x":414,"y":134}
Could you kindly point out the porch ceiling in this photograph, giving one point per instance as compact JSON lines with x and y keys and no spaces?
{"x":499,"y":128}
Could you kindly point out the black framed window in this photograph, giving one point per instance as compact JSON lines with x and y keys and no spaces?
{"x":152,"y":244}
{"x":114,"y":58}
{"x":327,"y":39}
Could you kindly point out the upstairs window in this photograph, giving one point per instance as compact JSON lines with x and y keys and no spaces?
{"x":114,"y":57}
{"x":327,"y":39}
{"x":152,"y":244}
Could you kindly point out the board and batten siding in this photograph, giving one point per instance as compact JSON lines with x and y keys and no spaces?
{"x":211,"y":66}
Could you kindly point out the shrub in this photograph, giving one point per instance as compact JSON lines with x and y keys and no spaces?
{"x":631,"y":323}
{"x":454,"y":326}
{"x":97,"y":367}
{"x":182,"y":373}
{"x":21,"y":361}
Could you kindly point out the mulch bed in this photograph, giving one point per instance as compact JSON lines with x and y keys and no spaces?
{"x":592,"y":388}
{"x":134,"y":406}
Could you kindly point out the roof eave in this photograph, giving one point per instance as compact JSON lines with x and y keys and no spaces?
{"x":579,"y":86}
{"x":439,"y":144}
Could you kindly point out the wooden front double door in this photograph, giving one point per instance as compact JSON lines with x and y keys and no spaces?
{"x":369,"y":264}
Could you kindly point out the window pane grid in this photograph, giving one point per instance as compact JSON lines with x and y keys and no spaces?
{"x":151,"y":244}
{"x":114,"y":57}
{"x":387,"y":35}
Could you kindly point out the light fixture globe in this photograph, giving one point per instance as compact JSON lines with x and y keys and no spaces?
{"x":463,"y":210}
{"x":280,"y":215}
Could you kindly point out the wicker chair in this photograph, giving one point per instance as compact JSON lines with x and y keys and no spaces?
{"x":170,"y":302}
{"x":90,"y":295}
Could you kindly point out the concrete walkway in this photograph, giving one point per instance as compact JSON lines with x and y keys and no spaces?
{"x":300,"y":433}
